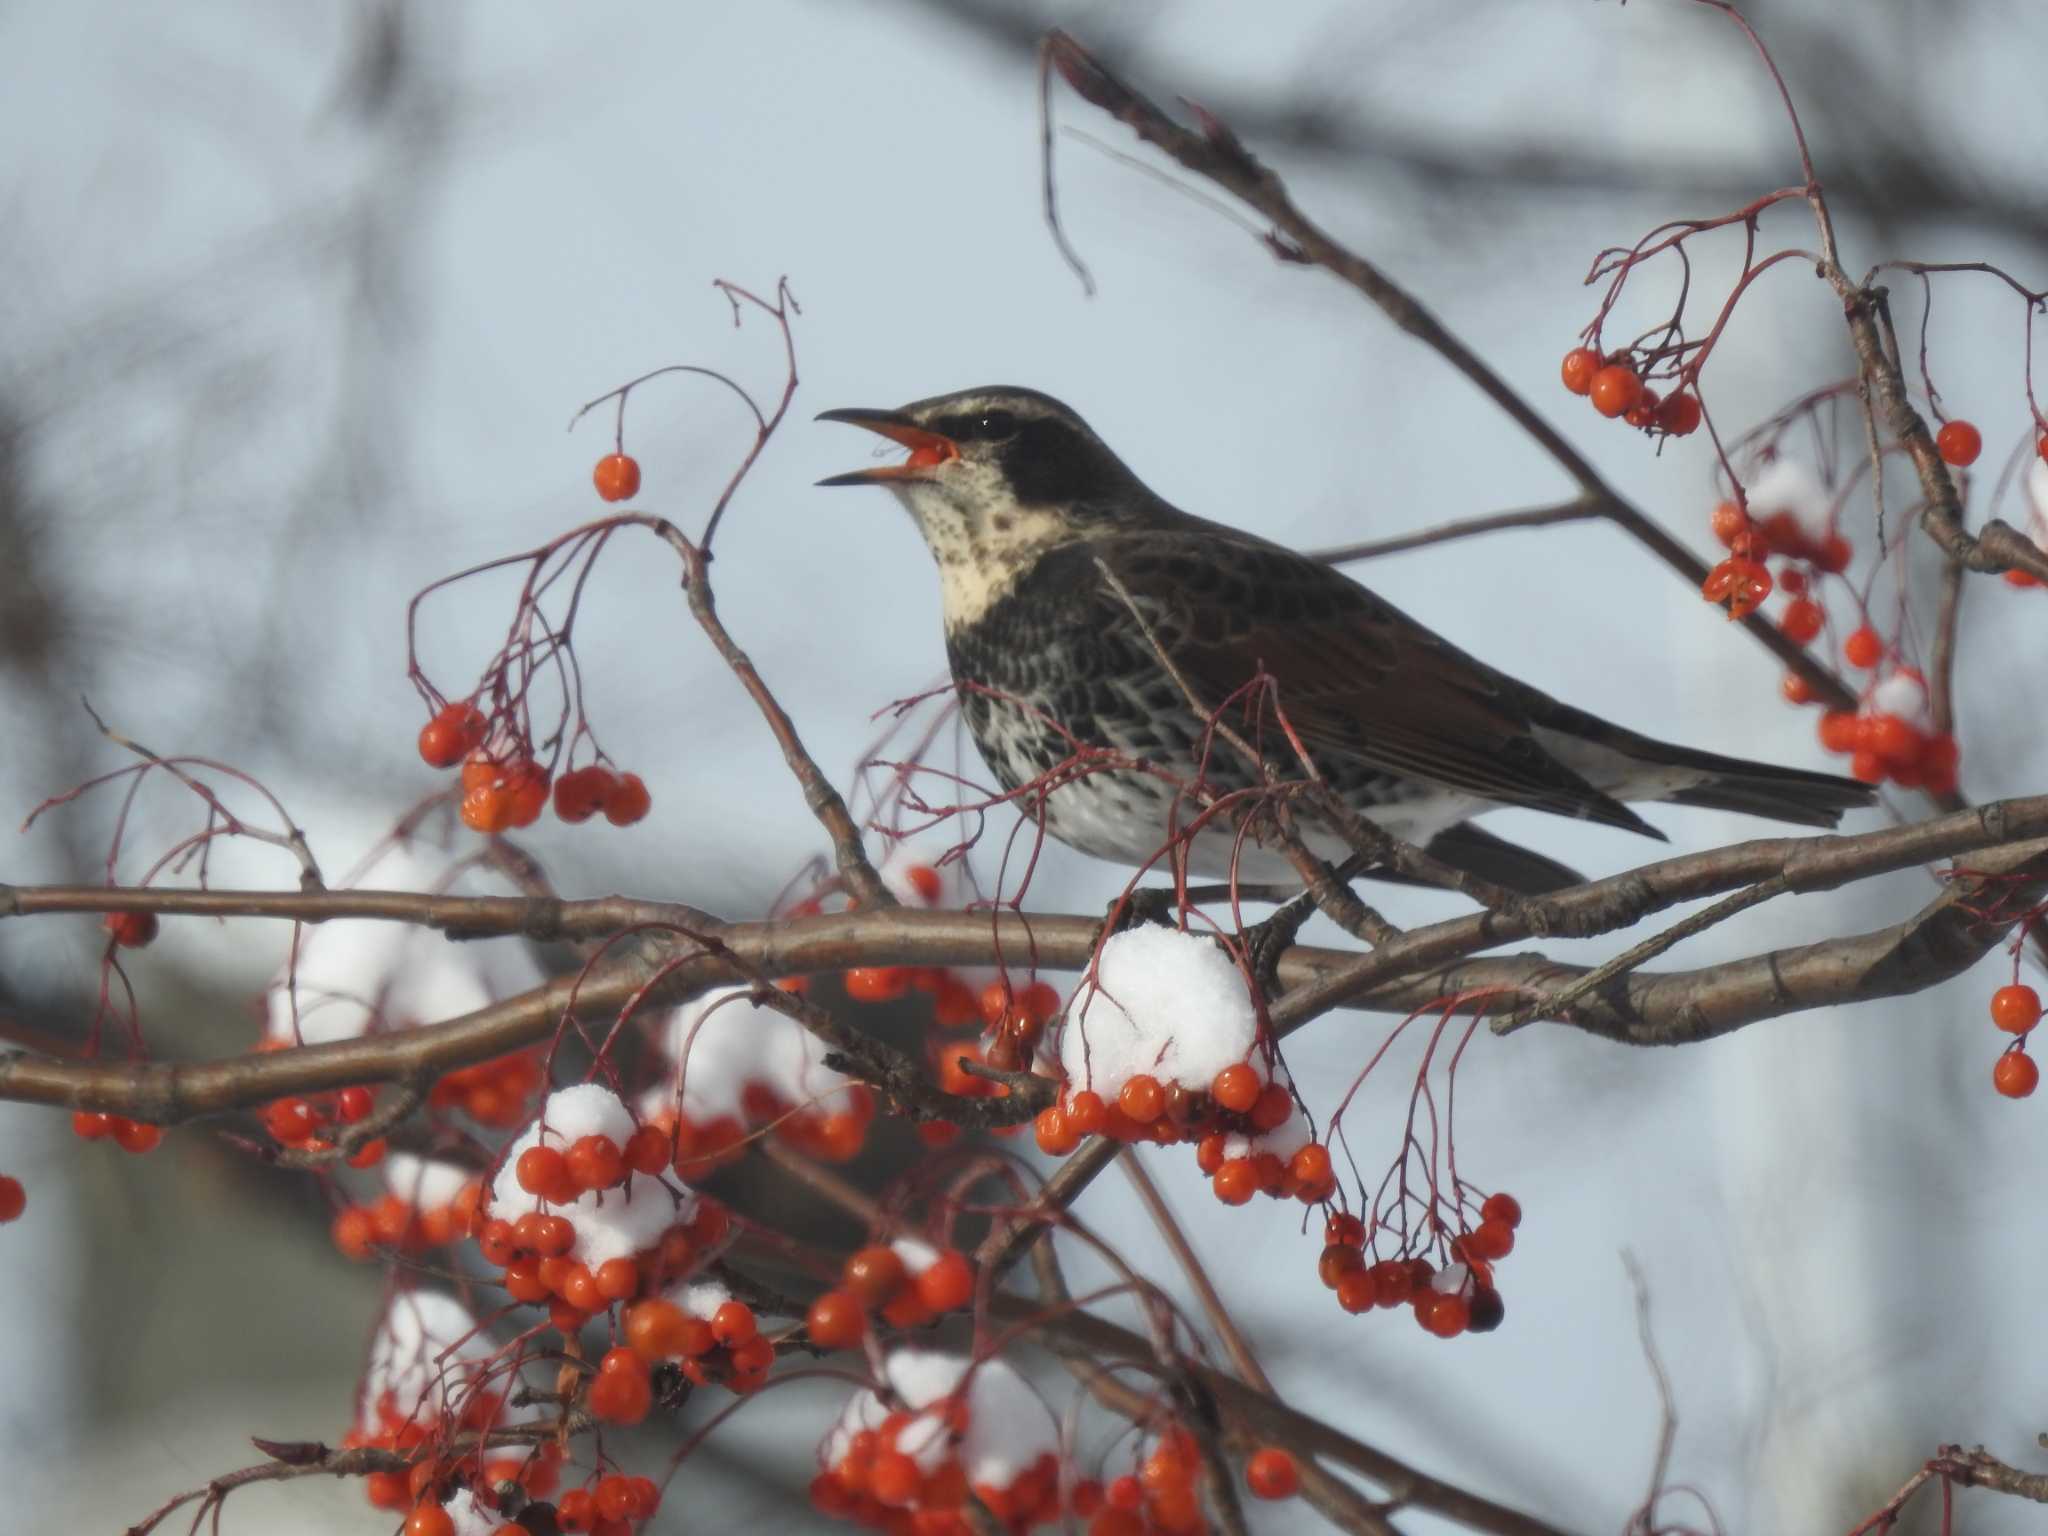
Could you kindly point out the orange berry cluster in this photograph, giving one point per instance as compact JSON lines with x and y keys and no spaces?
{"x":608,"y":1507}
{"x":299,"y":1121}
{"x":885,"y":1489}
{"x":503,"y":790}
{"x":907,"y":1283}
{"x":1458,"y":1298}
{"x":534,"y":1253}
{"x":2016,"y":1010}
{"x":498,"y":1093}
{"x":1884,"y":747}
{"x":130,"y":1135}
{"x":395,"y":1223}
{"x":1160,"y":1499}
{"x":1616,"y":390}
{"x":396,"y":1431}
{"x":713,"y":1338}
{"x":1742,"y":581}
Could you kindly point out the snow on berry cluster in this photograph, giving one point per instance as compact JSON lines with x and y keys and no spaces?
{"x":432,"y":1371}
{"x":908,"y":1281}
{"x":427,"y":1203}
{"x":1164,"y":1049}
{"x":1012,"y":1017}
{"x":583,"y":1215}
{"x":742,"y":1067}
{"x":940,"y":1427}
{"x":354,"y":976}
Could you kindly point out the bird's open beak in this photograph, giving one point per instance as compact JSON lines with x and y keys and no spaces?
{"x":927,"y":449}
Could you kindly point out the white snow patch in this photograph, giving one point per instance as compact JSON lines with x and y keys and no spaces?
{"x":731,"y":1042}
{"x":423,"y":1182}
{"x":610,"y":1223}
{"x":1171,"y":1004}
{"x":917,"y":1256}
{"x":416,"y":1357}
{"x":1787,"y":485}
{"x":472,"y":1518}
{"x":1008,"y":1427}
{"x":353,"y":974}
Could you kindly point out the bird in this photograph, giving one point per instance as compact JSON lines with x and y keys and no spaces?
{"x":1084,"y":614}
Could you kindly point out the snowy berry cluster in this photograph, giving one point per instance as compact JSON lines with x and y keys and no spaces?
{"x":942,"y":1426}
{"x":1163,"y":1049}
{"x":743,"y":1067}
{"x":427,"y":1203}
{"x":582,"y":1213}
{"x":908,"y":1282}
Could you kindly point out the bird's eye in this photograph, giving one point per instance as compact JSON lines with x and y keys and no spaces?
{"x":995,"y":427}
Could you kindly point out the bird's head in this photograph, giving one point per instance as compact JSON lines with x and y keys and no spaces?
{"x":995,"y":477}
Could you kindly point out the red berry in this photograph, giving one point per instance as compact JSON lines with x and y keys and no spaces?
{"x":581,"y":792}
{"x":1502,"y":1207}
{"x":1343,"y":1227}
{"x":877,"y":983}
{"x":454,"y":732}
{"x":894,"y":1479}
{"x":1867,"y":767}
{"x":1310,"y":1166}
{"x":1615,"y":390}
{"x":1959,"y":443}
{"x":1271,"y":1473}
{"x":1834,"y":554}
{"x":617,"y":477}
{"x":1236,"y":1087}
{"x":430,"y":1520}
{"x":1863,"y":648}
{"x":1039,"y":1002}
{"x":1795,"y":689}
{"x":1236,"y":1181}
{"x":615,"y":1498}
{"x":2016,"y":1009}
{"x":136,"y":1136}
{"x":627,"y":801}
{"x":131,"y":930}
{"x":1490,"y":1240}
{"x":2015,"y":1075}
{"x":1578,"y":368}
{"x":1056,"y":1138}
{"x":1838,"y":730}
{"x":1680,"y":415}
{"x":1802,"y":621}
{"x":595,"y":1162}
{"x":1355,"y":1291}
{"x":1273,"y":1108}
{"x":1444,"y":1314}
{"x":89,"y":1125}
{"x":13,"y":1198}
{"x":874,"y":1275}
{"x":1086,"y":1112}
{"x":1643,"y":413}
{"x":733,"y":1324}
{"x":544,"y":1172}
{"x":1141,"y":1098}
{"x":836,"y":1321}
{"x":948,"y":1284}
{"x":1729,"y":522}
{"x":1893,"y":739}
{"x":354,"y":1103}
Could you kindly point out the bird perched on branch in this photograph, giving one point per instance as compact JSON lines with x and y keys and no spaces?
{"x":1082,"y":611}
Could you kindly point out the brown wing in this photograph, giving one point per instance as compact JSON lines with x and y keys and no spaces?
{"x":1358,"y":679}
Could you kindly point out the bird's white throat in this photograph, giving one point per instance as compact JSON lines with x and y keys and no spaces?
{"x":982,"y":538}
